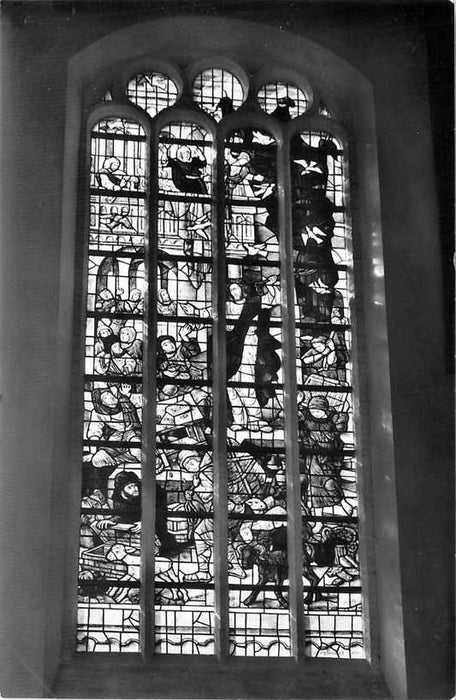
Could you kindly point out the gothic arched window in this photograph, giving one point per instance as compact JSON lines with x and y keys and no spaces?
{"x":219,"y":510}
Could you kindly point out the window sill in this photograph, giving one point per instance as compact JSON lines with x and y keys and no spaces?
{"x":129,"y":676}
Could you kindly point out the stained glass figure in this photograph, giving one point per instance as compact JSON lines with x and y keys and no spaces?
{"x":325,"y":410}
{"x":184,"y":604}
{"x":109,"y":585}
{"x":153,"y":92}
{"x":218,"y":92}
{"x":283,"y":101}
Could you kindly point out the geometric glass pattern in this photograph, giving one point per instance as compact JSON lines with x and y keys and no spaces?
{"x":187,"y":254}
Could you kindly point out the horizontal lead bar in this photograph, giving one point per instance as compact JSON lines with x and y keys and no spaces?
{"x":136,"y":254}
{"x":258,"y":202}
{"x":104,"y":136}
{"x":208,"y":586}
{"x":251,"y":587}
{"x":115,"y":378}
{"x":187,"y":199}
{"x":203,"y":321}
{"x":182,"y":258}
{"x":318,"y":325}
{"x":112,"y":443}
{"x":338,"y":389}
{"x":110,"y":582}
{"x":121,"y":315}
{"x":234,"y":449}
{"x":329,"y":519}
{"x":186,"y":141}
{"x":129,"y":194}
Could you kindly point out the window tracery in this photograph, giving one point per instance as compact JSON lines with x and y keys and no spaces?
{"x":177,"y":214}
{"x":153,"y":92}
{"x":218,"y":92}
{"x":283,"y":101}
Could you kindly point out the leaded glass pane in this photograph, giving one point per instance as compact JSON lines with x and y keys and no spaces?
{"x":108,"y":607}
{"x":257,"y":548}
{"x":153,"y":92}
{"x":184,"y":547}
{"x":321,"y":255}
{"x":218,"y":92}
{"x":283,"y":101}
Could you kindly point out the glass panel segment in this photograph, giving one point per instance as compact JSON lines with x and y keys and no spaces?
{"x":184,"y":547}
{"x":322,"y":259}
{"x":110,"y":525}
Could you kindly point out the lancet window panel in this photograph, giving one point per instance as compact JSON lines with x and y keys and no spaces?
{"x":184,"y":577}
{"x":258,"y":615}
{"x":110,"y":540}
{"x":322,"y":260}
{"x":206,"y":215}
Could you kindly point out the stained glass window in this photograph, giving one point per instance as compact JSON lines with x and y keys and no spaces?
{"x":206,"y":216}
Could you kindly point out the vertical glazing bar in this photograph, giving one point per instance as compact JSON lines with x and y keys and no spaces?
{"x":294,"y":528}
{"x":149,"y":414}
{"x":219,"y":414}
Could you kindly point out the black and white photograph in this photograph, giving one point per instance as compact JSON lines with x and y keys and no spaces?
{"x":227,"y":342}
